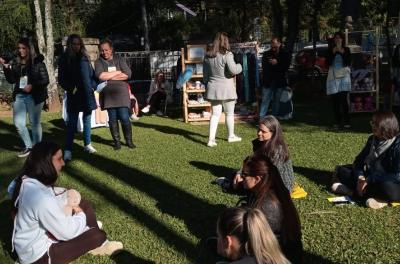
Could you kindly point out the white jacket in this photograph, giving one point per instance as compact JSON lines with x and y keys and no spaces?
{"x":41,"y":211}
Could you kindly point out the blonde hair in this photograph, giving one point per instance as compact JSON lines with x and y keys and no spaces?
{"x":254,"y":234}
{"x":220,"y":45}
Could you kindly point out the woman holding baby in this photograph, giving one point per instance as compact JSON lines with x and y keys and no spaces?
{"x":48,"y":226}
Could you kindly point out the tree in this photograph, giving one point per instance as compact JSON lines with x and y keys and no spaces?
{"x":145,"y":25}
{"x":46,"y":47}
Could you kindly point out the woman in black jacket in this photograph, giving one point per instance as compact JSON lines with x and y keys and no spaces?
{"x":267,"y":192}
{"x":29,"y":74}
{"x":376,"y":170}
{"x":76,"y":76}
{"x":338,"y":82}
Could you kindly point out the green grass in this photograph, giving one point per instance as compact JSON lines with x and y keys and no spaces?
{"x":158,"y":199}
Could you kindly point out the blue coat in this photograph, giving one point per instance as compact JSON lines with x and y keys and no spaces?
{"x":78,"y":79}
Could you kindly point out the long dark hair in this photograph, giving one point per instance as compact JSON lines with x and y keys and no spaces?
{"x":386,"y":124}
{"x":30,"y":48}
{"x":39,"y":166}
{"x":271,"y":187}
{"x":69,"y":52}
{"x":220,"y":45}
{"x":275,"y":148}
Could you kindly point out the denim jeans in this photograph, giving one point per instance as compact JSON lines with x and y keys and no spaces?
{"x":270,"y":94}
{"x":118,"y":113}
{"x":22,"y":105}
{"x":72,"y":126}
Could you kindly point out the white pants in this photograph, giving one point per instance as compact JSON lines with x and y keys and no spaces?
{"x":229,"y":109}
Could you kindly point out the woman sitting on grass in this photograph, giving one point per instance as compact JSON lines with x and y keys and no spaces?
{"x":267,"y":192}
{"x":245,"y":237}
{"x":375,"y":173}
{"x":269,"y":142}
{"x":43,"y":233}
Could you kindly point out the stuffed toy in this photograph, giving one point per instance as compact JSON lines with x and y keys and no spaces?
{"x":358,"y":105}
{"x":73,"y":200}
{"x":369,"y":104}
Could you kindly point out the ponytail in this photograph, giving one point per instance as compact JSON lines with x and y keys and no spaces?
{"x":254,"y":234}
{"x":262,"y":243}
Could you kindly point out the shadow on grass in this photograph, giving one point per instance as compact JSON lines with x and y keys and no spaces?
{"x":198,"y":215}
{"x":174,"y":131}
{"x":127,"y":257}
{"x":320,"y":177}
{"x":311,"y":258}
{"x":10,"y":139}
{"x":215,"y":170}
{"x":6,"y":228}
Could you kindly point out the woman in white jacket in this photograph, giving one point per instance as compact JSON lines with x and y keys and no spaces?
{"x":42,"y":232}
{"x":219,"y":70}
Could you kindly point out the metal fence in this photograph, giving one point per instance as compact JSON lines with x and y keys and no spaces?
{"x":144,"y":64}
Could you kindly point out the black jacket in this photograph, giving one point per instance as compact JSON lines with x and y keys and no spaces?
{"x":390,"y":161}
{"x":78,"y":79}
{"x":346,"y":57}
{"x":274,"y":76}
{"x":37,"y":77}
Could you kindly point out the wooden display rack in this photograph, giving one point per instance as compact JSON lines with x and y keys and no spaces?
{"x":193,"y":57}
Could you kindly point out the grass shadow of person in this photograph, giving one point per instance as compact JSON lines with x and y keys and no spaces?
{"x":311,"y":258}
{"x":6,"y":229}
{"x":125,"y":256}
{"x":320,"y":177}
{"x":198,"y":215}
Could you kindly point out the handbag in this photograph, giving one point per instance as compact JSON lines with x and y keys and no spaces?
{"x":286,"y":95}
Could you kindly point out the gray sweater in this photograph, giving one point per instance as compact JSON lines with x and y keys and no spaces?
{"x":116,"y":93}
{"x":218,"y":75}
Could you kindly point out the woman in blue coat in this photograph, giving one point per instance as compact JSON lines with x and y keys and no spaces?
{"x":76,"y":76}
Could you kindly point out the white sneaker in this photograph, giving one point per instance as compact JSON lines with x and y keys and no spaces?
{"x":146,"y":109}
{"x":340,"y":188}
{"x":108,"y":248}
{"x":375,"y":204}
{"x":159,"y":113}
{"x":134,"y":117}
{"x":234,"y":139}
{"x":67,"y":155}
{"x":100,"y":225}
{"x":211,"y":143}
{"x":89,"y":148}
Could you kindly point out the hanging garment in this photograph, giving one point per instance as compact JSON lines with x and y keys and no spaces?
{"x":239,"y":79}
{"x":245,"y":78}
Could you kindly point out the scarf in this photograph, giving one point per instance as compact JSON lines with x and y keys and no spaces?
{"x":377,"y":148}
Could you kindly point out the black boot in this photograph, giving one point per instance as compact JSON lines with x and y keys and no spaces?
{"x":114,"y":129}
{"x":127,"y":130}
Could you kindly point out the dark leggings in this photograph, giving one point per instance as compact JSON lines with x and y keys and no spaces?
{"x":388,"y":191}
{"x":156,"y":99}
{"x":67,"y":251}
{"x":341,"y":108}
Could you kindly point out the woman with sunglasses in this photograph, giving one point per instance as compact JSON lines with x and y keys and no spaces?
{"x":375,"y":173}
{"x":269,"y":142}
{"x":42,"y":232}
{"x":267,"y":192}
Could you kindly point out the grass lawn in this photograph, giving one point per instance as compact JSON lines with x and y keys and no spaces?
{"x":159,"y":201}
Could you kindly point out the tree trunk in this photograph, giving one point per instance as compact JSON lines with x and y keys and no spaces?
{"x":293,"y":18}
{"x":46,"y":48}
{"x":277,"y":21}
{"x":145,"y":25}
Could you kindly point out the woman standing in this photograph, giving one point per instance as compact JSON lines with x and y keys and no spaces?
{"x":219,"y":70}
{"x":42,"y":232}
{"x":160,"y":89}
{"x":375,"y":173}
{"x":29,"y":74}
{"x":338,"y":83}
{"x":267,"y":192}
{"x":244,"y":236}
{"x":114,"y":97}
{"x":76,"y":76}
